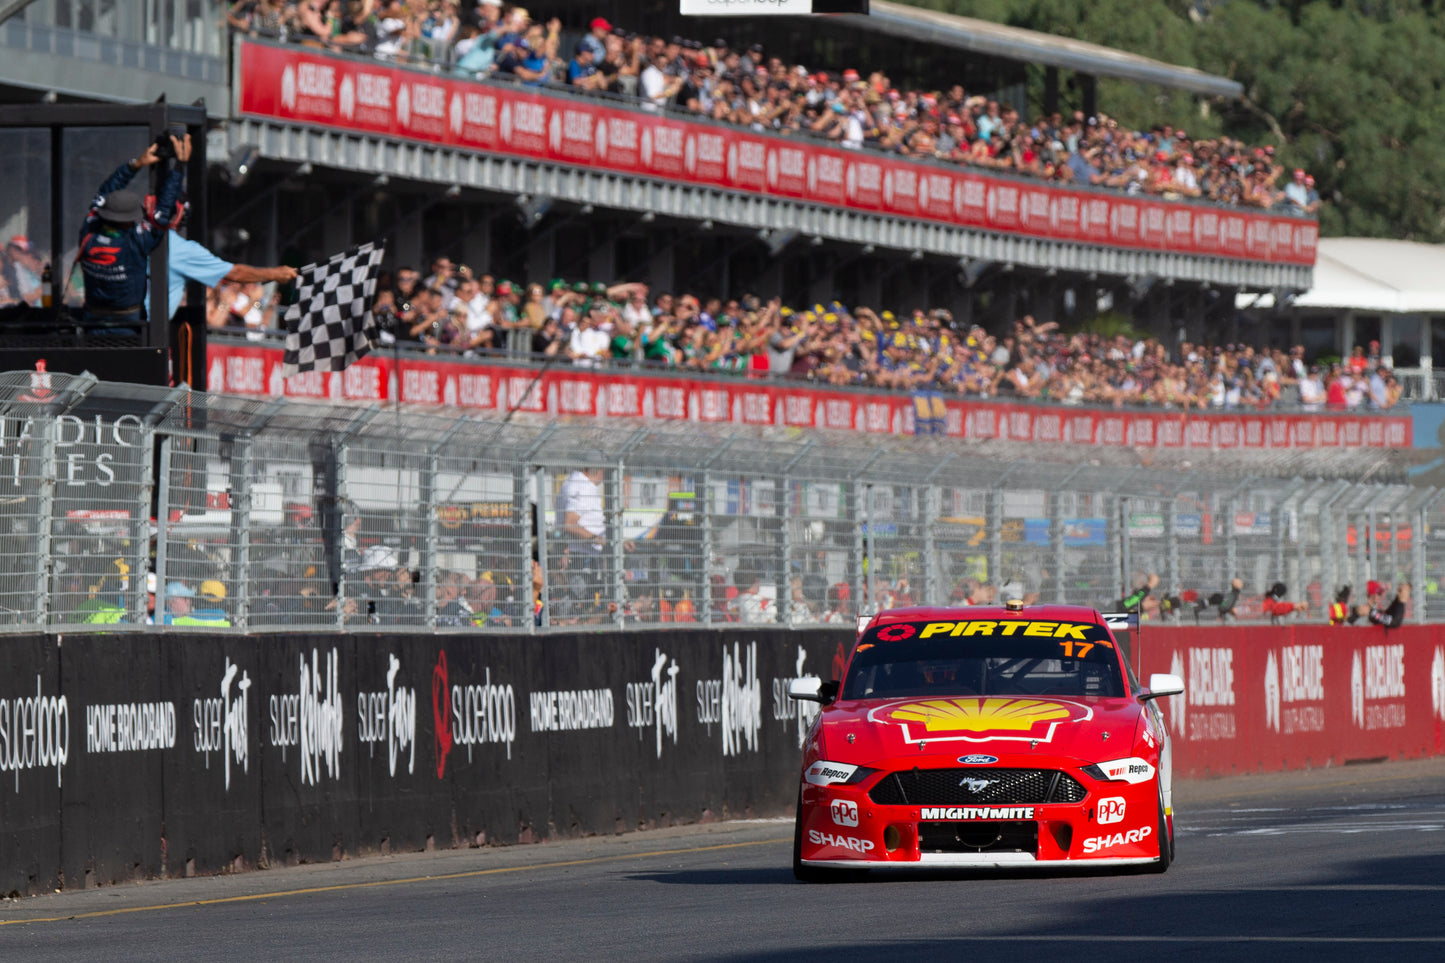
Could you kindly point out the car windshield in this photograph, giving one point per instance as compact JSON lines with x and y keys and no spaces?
{"x":984,"y":657}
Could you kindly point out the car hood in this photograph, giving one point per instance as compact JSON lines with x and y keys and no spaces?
{"x":999,"y":726}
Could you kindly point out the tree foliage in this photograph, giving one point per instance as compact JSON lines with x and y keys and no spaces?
{"x":1350,"y":90}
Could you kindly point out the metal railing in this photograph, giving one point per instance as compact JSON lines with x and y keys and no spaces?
{"x":270,"y":515}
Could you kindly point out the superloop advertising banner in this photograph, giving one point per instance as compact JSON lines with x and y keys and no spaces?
{"x":370,"y":97}
{"x":571,"y":391}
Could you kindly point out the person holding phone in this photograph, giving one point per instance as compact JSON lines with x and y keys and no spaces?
{"x":116,"y":238}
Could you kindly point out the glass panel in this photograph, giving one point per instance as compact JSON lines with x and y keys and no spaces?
{"x":92,"y":153}
{"x":24,"y":213}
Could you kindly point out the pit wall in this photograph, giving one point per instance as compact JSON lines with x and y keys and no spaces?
{"x":125,"y":757}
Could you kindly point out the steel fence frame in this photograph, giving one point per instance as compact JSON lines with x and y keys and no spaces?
{"x":327,"y":516}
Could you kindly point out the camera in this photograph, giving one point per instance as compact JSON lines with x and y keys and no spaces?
{"x":165,"y":150}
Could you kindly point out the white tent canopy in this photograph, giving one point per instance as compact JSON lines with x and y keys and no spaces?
{"x":1373,"y":275}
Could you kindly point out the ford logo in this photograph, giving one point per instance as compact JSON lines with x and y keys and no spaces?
{"x":978,"y":760}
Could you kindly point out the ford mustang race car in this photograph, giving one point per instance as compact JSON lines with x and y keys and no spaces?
{"x":999,"y":736}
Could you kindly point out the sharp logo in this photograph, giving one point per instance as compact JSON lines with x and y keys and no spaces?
{"x":845,"y":813}
{"x":1098,"y":844}
{"x":975,"y":785}
{"x":1110,"y":810}
{"x":966,"y":813}
{"x":840,"y":841}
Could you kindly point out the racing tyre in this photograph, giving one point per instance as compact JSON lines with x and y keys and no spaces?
{"x":1166,"y":842}
{"x":817,"y":874}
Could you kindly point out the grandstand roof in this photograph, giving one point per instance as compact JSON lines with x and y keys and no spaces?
{"x":997,"y":40}
{"x":1377,"y":274}
{"x":1370,"y":274}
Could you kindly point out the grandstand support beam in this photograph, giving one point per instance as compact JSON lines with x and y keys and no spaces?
{"x":694,"y":203}
{"x":1089,"y":89}
{"x":1051,"y":89}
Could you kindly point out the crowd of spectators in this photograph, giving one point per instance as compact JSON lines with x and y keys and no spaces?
{"x":748,"y":87}
{"x":453,"y":311}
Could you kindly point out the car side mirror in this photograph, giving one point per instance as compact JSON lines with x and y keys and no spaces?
{"x":812,"y":689}
{"x":1163,"y":684}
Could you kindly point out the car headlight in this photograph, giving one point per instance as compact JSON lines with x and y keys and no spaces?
{"x":1131,"y":770}
{"x":823,"y":773}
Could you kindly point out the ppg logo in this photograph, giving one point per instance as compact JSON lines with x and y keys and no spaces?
{"x":845,"y":813}
{"x":1111,"y":810}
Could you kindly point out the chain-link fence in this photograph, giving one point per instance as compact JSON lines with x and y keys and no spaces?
{"x":128,"y":506}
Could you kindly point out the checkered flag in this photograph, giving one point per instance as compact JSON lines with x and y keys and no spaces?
{"x":330,"y":325}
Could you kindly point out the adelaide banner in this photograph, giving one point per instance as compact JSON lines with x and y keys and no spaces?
{"x":569,"y":391}
{"x":305,"y":86}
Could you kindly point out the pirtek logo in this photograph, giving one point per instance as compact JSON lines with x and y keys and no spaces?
{"x":975,"y":812}
{"x":1098,"y":843}
{"x":840,"y":841}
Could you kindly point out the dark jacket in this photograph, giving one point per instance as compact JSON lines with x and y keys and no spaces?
{"x":113,"y":257}
{"x":1391,"y":616}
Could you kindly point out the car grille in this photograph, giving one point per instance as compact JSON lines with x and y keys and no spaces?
{"x":942,"y":787}
{"x":1001,"y":837}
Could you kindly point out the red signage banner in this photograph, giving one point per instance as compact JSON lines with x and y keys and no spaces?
{"x":304,"y":86}
{"x":1266,"y":698}
{"x":570,"y":391}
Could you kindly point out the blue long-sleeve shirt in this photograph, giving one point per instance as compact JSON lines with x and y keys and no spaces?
{"x":113,"y":257}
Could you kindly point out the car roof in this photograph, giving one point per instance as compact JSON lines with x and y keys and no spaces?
{"x":941,"y":613}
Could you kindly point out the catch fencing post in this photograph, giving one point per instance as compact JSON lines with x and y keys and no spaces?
{"x":1418,"y":574}
{"x":343,"y":447}
{"x":704,"y":500}
{"x":539,"y":481}
{"x":784,"y":488}
{"x":863,"y":535}
{"x":933,"y":592}
{"x":46,"y":523}
{"x":163,"y":519}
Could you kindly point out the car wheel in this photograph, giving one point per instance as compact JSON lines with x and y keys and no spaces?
{"x":817,"y":874}
{"x":1166,"y":842}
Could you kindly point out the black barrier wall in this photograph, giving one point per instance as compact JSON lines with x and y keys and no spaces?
{"x":127,"y":756}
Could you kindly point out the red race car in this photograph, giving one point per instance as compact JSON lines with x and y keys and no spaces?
{"x":998,"y":736}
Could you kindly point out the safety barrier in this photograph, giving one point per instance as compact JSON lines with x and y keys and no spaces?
{"x":136,"y":756}
{"x":132,"y":756}
{"x":1261,"y":699}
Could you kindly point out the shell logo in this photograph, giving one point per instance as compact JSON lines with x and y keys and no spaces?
{"x":506,"y":123}
{"x":850,"y":181}
{"x":455,"y":115}
{"x":646,"y":148}
{"x":772,"y":168}
{"x":599,"y":138}
{"x":689,"y":154}
{"x":973,"y":719}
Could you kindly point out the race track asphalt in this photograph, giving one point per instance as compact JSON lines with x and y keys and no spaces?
{"x":1344,"y":864}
